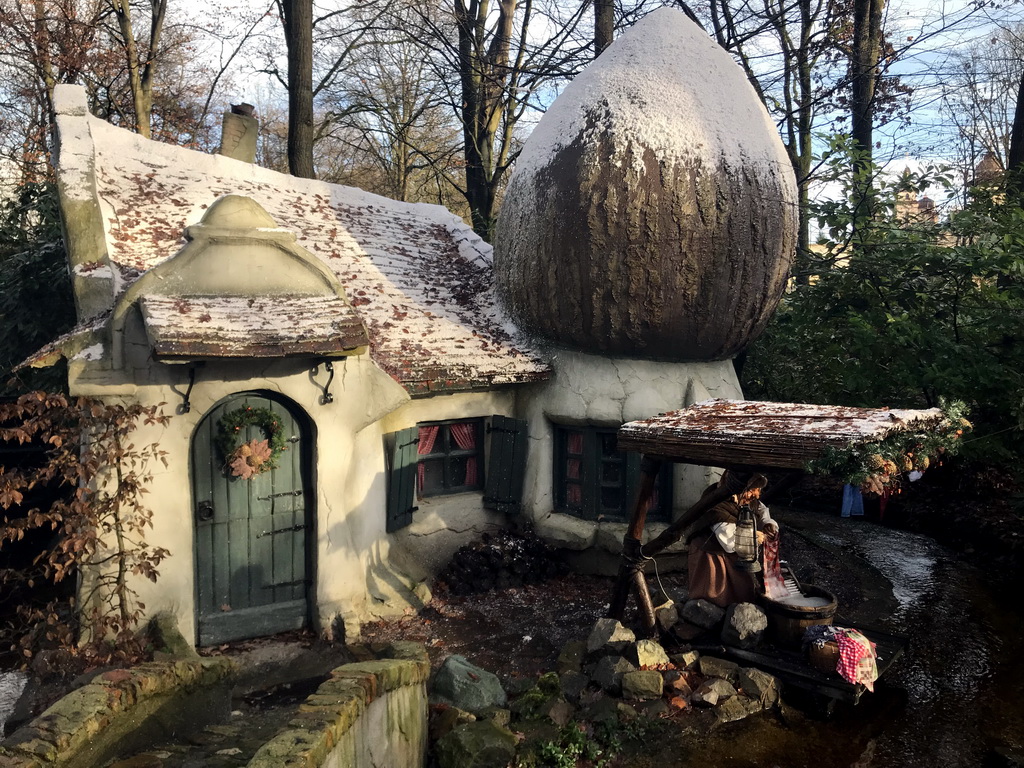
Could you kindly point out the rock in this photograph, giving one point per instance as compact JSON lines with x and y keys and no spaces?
{"x":571,"y":657}
{"x":573,"y":684}
{"x":517,"y":686}
{"x":678,"y":683}
{"x":712,"y":691}
{"x":502,"y":717}
{"x":685,"y":659}
{"x":444,"y":719}
{"x":466,"y":686}
{"x":759,"y":686}
{"x":702,"y":613}
{"x":608,"y":710}
{"x":711,"y":666}
{"x":684,"y":631}
{"x":654,"y":709}
{"x":609,"y":632}
{"x":609,"y":671}
{"x":642,"y":685}
{"x":560,"y":712}
{"x":730,"y":710}
{"x":744,"y":626}
{"x":666,"y":615}
{"x":483,"y":744}
{"x":646,"y":653}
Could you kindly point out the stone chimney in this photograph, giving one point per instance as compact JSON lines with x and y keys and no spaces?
{"x":238,"y":133}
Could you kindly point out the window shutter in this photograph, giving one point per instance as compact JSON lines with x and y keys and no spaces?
{"x":401,"y":477}
{"x":506,"y":464}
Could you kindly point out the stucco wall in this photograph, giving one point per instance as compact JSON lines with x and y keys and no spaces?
{"x":360,"y":571}
{"x":444,"y":523}
{"x":589,"y":390}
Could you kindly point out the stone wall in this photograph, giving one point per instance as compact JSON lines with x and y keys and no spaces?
{"x":122,"y":710}
{"x":370,"y":713}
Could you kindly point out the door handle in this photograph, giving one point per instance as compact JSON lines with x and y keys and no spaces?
{"x":204,"y":511}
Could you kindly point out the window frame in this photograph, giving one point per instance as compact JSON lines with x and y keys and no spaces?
{"x":447,"y":456}
{"x":593,"y":480}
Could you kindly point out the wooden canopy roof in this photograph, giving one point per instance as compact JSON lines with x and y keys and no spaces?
{"x":747,"y":433}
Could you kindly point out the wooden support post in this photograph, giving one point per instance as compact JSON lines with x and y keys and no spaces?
{"x":631,"y":564}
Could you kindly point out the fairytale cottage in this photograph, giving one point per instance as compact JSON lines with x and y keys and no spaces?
{"x":359,"y":386}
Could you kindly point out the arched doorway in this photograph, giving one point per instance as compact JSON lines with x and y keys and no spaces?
{"x":252,"y":536}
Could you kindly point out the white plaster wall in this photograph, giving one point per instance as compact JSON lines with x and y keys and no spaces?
{"x":589,"y":390}
{"x":351,"y":546}
{"x":442,"y":524}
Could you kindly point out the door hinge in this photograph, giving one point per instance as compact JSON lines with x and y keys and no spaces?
{"x":296,"y":492}
{"x":281,"y":530}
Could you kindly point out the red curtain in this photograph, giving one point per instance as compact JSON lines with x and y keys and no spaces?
{"x":573,"y":469}
{"x":428,"y":436}
{"x":464,"y":435}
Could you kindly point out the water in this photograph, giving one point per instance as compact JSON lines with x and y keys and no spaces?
{"x":11,"y":686}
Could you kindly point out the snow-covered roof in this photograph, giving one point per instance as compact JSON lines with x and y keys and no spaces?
{"x":725,"y":433}
{"x":197,"y":327}
{"x":417,"y":276}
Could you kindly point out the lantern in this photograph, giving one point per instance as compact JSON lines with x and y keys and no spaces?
{"x":747,"y":556}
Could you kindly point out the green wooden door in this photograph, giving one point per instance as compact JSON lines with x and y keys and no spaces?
{"x":252,"y":563}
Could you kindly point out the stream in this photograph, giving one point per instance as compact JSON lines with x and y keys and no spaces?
{"x":952,"y":700}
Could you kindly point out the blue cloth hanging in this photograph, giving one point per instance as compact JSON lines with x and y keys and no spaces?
{"x":853,"y":502}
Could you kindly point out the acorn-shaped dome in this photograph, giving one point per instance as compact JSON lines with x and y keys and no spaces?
{"x":652,"y":212}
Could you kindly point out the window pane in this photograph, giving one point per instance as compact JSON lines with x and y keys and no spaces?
{"x":574,"y":495}
{"x":457,"y":471}
{"x":431,"y":472}
{"x":611,"y":500}
{"x":574,"y":442}
{"x":607,"y":442}
{"x":611,"y":472}
{"x":573,"y":469}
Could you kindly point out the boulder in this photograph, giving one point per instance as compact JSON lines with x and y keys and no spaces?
{"x":712,"y":691}
{"x":466,"y":686}
{"x":702,"y":613}
{"x":609,"y":671}
{"x":609,"y":633}
{"x":731,"y":709}
{"x":710,"y":666}
{"x":482,"y":744}
{"x":573,"y":684}
{"x":646,"y":653}
{"x":642,"y":685}
{"x":666,"y":615}
{"x":571,"y":657}
{"x":745,"y":624}
{"x":759,"y":686}
{"x":685,"y":659}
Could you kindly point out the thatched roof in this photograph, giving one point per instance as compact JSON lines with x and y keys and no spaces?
{"x":745,"y":433}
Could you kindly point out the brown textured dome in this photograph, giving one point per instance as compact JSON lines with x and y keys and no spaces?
{"x":652,"y":212}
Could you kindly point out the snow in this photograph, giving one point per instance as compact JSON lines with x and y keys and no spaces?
{"x":417,"y":275}
{"x":666,"y":85}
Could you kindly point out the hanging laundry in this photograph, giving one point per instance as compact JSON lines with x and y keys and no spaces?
{"x":853,"y":502}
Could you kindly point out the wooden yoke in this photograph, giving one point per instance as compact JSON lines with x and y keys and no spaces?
{"x":634,"y":557}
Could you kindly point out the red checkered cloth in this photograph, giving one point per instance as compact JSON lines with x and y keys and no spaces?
{"x":856,"y":658}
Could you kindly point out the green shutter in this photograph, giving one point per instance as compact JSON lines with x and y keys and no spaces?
{"x":506,"y":464}
{"x":401,"y":477}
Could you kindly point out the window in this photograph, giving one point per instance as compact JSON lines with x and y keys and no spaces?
{"x":594,"y":481}
{"x":449,"y":457}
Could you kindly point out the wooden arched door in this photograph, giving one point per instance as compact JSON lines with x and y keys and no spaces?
{"x":252,"y":536}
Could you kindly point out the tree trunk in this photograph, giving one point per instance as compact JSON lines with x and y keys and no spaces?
{"x":1015,"y":158}
{"x":867,"y":50}
{"x":484,"y":71}
{"x":298,"y":35}
{"x":140,"y":72}
{"x":604,"y":25}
